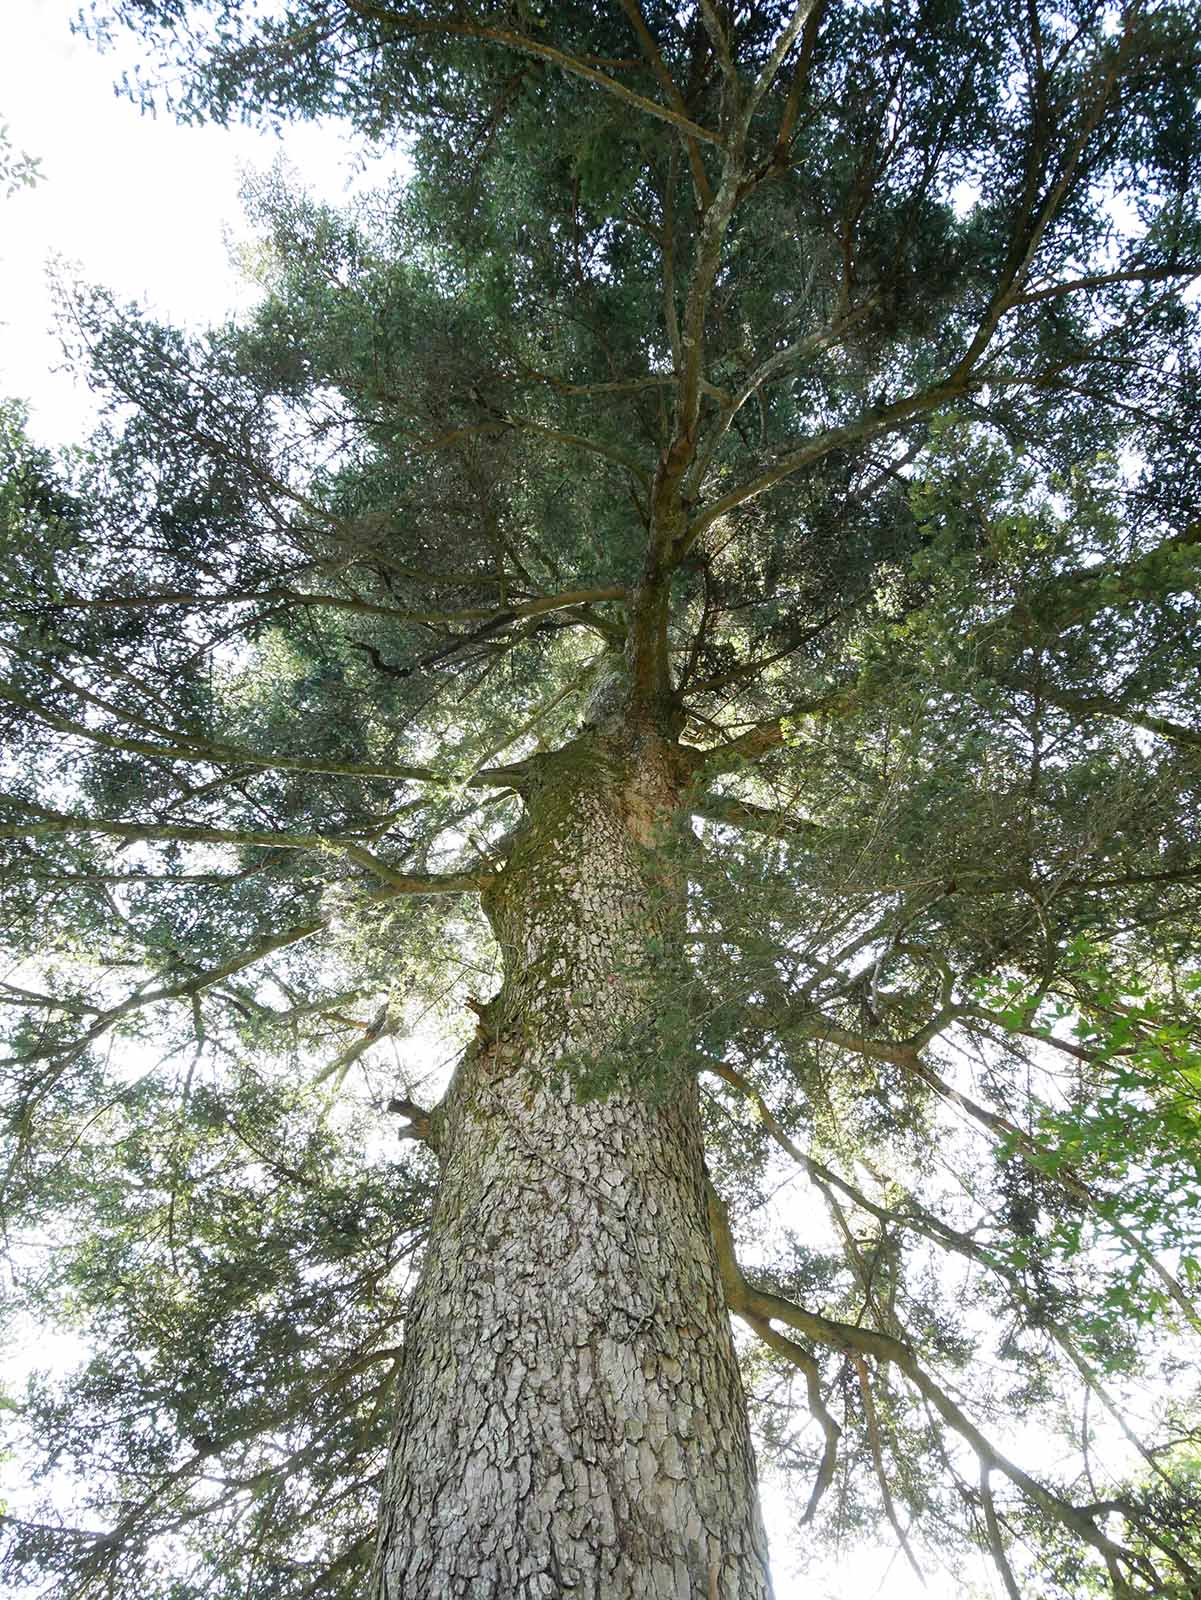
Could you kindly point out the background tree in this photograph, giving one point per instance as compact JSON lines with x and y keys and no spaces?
{"x":704,"y":580}
{"x":18,"y":170}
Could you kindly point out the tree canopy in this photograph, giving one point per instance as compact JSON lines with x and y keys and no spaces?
{"x":827,"y":379}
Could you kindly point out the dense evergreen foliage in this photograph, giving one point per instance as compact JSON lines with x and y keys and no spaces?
{"x":835,"y":370}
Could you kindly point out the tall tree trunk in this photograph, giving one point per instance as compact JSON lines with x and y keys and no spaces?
{"x":571,"y":1419}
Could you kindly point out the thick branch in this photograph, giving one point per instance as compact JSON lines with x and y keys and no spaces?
{"x":918,"y":1220}
{"x":41,"y":820}
{"x":873,"y":425}
{"x":1100,"y":280}
{"x":734,"y":813}
{"x":166,"y":598}
{"x":748,"y":747}
{"x":1096,"y":705}
{"x":755,"y":1305}
{"x":1065,"y":601}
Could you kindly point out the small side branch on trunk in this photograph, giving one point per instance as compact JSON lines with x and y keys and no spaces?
{"x":420,"y":1122}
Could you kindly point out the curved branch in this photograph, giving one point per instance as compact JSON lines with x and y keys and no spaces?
{"x":873,"y":1434}
{"x":407,"y":23}
{"x":769,"y":735}
{"x":536,"y":607}
{"x":738,"y":1299}
{"x":755,"y":1305}
{"x":1095,"y":705}
{"x":917,"y":1219}
{"x":579,"y":441}
{"x":700,"y":179}
{"x":734,"y":813}
{"x":190,"y":748}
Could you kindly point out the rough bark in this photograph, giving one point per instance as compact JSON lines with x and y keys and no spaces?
{"x":571,"y":1419}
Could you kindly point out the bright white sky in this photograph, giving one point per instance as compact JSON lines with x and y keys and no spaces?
{"x":141,"y":205}
{"x":146,"y":207}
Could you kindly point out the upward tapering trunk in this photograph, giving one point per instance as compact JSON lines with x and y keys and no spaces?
{"x":571,"y":1419}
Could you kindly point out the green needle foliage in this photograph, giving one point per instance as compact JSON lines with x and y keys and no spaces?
{"x":836,"y":369}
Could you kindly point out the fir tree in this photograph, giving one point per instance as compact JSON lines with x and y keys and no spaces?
{"x":697,"y":593}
